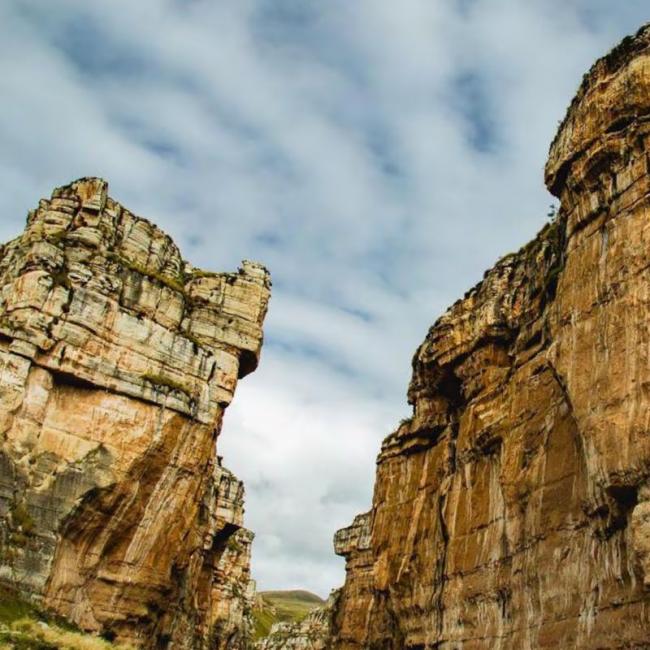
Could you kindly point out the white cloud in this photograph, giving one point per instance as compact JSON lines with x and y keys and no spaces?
{"x":377,"y":156}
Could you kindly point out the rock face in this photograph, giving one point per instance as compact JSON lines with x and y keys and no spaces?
{"x":314,"y":632}
{"x":513,"y":509}
{"x":117,"y":360}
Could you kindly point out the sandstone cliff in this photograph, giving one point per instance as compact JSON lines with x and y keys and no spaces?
{"x":513,"y":509}
{"x":117,"y":360}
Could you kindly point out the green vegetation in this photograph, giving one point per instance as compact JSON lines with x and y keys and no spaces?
{"x":200,"y":273}
{"x":162,"y":380}
{"x":22,"y":526}
{"x":194,"y":339}
{"x":177,"y":284}
{"x":56,"y":237}
{"x":22,"y":519}
{"x":233,"y":545}
{"x":60,"y":279}
{"x":13,"y":608}
{"x":24,"y":627}
{"x":282,"y":606}
{"x":263,"y":619}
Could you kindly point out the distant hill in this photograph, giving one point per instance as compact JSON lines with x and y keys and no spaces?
{"x":279,"y":606}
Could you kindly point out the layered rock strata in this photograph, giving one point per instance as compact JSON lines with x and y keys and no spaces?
{"x":117,"y":360}
{"x":513,"y":509}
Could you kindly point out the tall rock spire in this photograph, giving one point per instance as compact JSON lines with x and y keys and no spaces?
{"x":117,"y":360}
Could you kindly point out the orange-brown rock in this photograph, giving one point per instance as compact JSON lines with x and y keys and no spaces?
{"x":117,"y":360}
{"x":513,"y":509}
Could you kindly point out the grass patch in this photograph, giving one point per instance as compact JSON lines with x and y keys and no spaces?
{"x":263,"y":620}
{"x":22,"y":519}
{"x":56,"y":237}
{"x":282,"y":607}
{"x":37,"y":635}
{"x":200,"y":273}
{"x":194,"y":339}
{"x":233,"y":545}
{"x":177,"y":284}
{"x":24,"y":627}
{"x":13,"y":608}
{"x":60,"y":279}
{"x":162,"y":380}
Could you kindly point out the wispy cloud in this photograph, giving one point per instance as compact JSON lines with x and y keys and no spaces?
{"x":376,"y":155}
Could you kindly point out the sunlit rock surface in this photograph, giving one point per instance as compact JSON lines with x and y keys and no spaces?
{"x":117,"y":360}
{"x":513,"y":509}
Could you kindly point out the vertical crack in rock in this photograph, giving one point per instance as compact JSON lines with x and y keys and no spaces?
{"x":512,"y":510}
{"x":117,"y":360}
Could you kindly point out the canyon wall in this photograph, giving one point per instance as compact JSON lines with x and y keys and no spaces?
{"x":512,"y":510}
{"x":117,"y":360}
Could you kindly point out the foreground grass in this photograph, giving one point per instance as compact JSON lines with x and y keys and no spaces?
{"x":24,"y":627}
{"x":282,"y":606}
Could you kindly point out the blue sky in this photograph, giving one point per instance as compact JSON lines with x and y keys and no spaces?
{"x":377,"y":156}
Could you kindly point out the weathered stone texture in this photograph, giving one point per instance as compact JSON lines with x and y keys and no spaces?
{"x":117,"y":360}
{"x":513,"y":509}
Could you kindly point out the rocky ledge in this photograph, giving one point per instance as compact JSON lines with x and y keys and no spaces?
{"x":117,"y":360}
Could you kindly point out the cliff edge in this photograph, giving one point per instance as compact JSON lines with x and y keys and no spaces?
{"x":513,"y":509}
{"x":117,"y":360}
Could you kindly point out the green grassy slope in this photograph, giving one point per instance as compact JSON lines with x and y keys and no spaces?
{"x":24,"y":627}
{"x":279,"y":606}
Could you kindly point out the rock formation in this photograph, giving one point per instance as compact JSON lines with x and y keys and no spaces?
{"x":513,"y":509}
{"x":117,"y":360}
